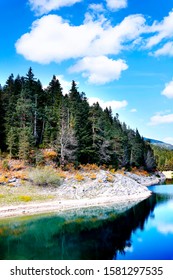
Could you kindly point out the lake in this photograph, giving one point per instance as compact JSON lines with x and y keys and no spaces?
{"x":143,"y":232}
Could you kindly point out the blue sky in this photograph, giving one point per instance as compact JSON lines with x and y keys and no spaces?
{"x":120,"y":52}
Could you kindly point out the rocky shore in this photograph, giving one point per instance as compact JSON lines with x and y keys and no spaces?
{"x":107,"y":184}
{"x":104,"y":188}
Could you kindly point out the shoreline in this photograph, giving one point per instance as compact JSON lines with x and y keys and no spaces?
{"x":105,"y":190}
{"x":64,"y":205}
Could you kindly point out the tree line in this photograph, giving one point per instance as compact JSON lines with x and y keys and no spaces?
{"x":33,"y":118}
{"x":164,"y":158}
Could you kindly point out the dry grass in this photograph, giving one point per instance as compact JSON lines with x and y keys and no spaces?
{"x":62,"y":174}
{"x":45,"y":176}
{"x":89,"y":167}
{"x":140,"y":172}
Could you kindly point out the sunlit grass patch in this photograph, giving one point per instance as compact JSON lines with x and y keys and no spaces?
{"x":25,"y":198}
{"x":23,"y":194}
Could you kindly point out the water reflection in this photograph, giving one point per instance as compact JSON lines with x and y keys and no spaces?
{"x":91,"y":233}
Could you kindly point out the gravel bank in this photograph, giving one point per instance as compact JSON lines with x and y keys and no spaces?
{"x":106,"y":188}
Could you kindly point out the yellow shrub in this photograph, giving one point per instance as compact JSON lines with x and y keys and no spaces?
{"x":79,"y":177}
{"x":112,"y":170}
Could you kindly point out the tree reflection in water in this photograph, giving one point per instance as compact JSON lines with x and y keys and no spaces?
{"x":85,"y":235}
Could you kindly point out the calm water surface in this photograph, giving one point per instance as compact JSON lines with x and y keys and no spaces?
{"x":145,"y":231}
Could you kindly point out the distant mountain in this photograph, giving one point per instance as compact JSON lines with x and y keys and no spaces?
{"x":159,"y":143}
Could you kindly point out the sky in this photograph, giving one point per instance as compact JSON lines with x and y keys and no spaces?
{"x":120,"y":53}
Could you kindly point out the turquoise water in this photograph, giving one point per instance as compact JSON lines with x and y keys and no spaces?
{"x":145,"y":231}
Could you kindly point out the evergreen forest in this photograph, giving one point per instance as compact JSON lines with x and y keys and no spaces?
{"x":33,"y":119}
{"x":163,"y":157}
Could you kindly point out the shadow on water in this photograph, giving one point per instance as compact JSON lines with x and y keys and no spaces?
{"x":81,"y":235}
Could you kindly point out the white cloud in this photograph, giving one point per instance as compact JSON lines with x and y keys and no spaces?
{"x":165,"y":228}
{"x":41,"y":7}
{"x":53,"y":39}
{"x":133,"y":110}
{"x":97,"y":7}
{"x":161,"y":119}
{"x":114,"y":104}
{"x":116,"y":4}
{"x":66,"y":85}
{"x":168,"y":140}
{"x":163,"y":30}
{"x":100,"y":70}
{"x":167,"y":49}
{"x":168,"y":90}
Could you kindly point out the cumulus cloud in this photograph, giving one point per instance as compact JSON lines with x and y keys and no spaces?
{"x":114,"y":104}
{"x":162,"y":30}
{"x":161,"y":119}
{"x":167,"y":49}
{"x":97,"y":7}
{"x":116,"y":4}
{"x":53,"y":39}
{"x":168,"y":90}
{"x":66,"y":85}
{"x":41,"y":7}
{"x":100,"y":70}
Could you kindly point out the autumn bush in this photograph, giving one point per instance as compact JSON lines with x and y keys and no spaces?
{"x":93,"y":176}
{"x":79,"y":177}
{"x":89,"y":167}
{"x":45,"y":176}
{"x":49,"y":154}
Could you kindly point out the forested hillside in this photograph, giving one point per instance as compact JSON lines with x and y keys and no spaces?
{"x":33,"y":119}
{"x":164,"y":158}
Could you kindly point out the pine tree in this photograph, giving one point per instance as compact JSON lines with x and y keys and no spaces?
{"x":54,"y":99}
{"x":24,"y":143}
{"x":11,"y":141}
{"x":2,"y":123}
